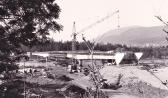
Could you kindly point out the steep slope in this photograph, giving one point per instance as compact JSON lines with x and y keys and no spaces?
{"x":135,"y":36}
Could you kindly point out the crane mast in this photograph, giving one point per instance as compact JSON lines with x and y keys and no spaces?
{"x":74,"y":38}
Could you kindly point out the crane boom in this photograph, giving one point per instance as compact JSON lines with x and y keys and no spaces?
{"x":97,"y":22}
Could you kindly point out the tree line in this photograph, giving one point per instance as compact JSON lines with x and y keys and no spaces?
{"x":51,"y":45}
{"x":67,"y":46}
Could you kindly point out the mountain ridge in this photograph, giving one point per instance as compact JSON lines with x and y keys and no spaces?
{"x":136,"y":35}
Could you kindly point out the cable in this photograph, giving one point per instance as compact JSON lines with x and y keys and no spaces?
{"x":118,"y":17}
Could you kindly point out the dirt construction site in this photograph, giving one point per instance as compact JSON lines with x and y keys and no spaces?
{"x":53,"y":80}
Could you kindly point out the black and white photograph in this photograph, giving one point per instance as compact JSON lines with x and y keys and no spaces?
{"x":83,"y":48}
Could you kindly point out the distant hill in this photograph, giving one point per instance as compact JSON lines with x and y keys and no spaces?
{"x":135,"y":35}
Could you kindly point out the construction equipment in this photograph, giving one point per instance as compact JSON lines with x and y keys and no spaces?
{"x":74,"y":34}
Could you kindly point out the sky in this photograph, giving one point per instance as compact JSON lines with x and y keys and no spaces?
{"x":86,"y":12}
